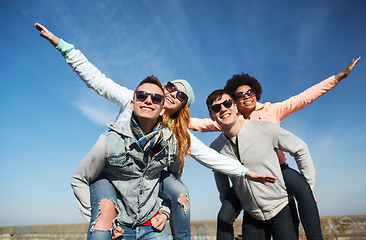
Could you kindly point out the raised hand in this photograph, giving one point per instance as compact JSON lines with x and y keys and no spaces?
{"x":47,"y":34}
{"x":347,"y":71}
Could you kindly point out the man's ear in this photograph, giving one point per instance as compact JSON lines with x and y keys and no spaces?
{"x":211,"y":115}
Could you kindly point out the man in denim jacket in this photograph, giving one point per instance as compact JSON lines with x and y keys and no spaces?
{"x":130,"y":156}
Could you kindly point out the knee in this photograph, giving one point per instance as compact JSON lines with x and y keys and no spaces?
{"x":106,"y":216}
{"x":184,"y":201}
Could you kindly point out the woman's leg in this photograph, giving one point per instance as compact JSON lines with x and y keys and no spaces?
{"x":175,"y":194}
{"x":297,"y":185}
{"x":229,"y":210}
{"x":103,"y":199}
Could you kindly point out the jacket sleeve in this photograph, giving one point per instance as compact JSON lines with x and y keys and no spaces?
{"x":97,"y":81}
{"x":85,"y":173}
{"x":203,"y":125}
{"x":295,"y":103}
{"x":289,"y":142}
{"x":208,"y":157}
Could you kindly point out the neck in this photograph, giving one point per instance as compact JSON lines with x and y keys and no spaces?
{"x":170,"y":112}
{"x":146,"y":125}
{"x":246,"y":114}
{"x":233,"y":129}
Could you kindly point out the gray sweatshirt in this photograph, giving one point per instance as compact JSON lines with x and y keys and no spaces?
{"x":257,"y":144}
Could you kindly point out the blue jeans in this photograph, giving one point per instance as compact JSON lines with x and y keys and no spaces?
{"x":143,"y":232}
{"x":171,"y":189}
{"x":280,"y":226}
{"x":100,"y":189}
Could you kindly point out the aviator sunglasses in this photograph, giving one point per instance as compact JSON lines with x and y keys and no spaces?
{"x":217,"y":107}
{"x":181,"y":96}
{"x":155,"y":98}
{"x":240,"y":95}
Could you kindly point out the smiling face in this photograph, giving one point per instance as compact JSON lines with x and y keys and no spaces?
{"x":172,"y":104}
{"x":226,"y":116}
{"x":146,"y":109}
{"x":248,"y":103}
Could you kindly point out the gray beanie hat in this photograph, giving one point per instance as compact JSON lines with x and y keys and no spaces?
{"x":189,"y":90}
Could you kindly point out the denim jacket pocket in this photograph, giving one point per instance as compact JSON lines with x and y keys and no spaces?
{"x":121,"y":160}
{"x":156,"y":166}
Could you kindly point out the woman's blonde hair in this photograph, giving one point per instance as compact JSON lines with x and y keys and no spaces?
{"x":178,"y":124}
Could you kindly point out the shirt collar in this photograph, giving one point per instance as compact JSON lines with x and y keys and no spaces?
{"x":259,"y":106}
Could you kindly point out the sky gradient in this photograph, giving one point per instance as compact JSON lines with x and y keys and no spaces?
{"x":50,"y":119}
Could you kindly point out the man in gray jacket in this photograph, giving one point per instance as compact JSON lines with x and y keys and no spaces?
{"x":254,"y":144}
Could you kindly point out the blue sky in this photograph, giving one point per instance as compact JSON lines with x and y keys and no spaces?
{"x":50,"y":119}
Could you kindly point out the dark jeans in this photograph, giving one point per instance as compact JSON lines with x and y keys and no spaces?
{"x":280,"y":226}
{"x":297,"y":185}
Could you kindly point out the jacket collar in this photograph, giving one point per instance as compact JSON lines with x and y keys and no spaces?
{"x":259,"y":106}
{"x":123,"y":128}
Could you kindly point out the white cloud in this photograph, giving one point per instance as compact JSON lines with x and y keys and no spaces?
{"x":97,"y":109}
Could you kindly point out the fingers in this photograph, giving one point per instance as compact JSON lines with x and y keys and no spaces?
{"x":117,"y":232}
{"x":40,"y":27}
{"x":158,"y":222}
{"x":271,"y":179}
{"x":355,"y":61}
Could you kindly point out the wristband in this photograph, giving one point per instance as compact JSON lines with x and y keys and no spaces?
{"x":64,"y":47}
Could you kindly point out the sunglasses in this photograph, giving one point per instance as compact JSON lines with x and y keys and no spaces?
{"x":181,"y":96}
{"x":217,"y":107}
{"x":241,"y":95}
{"x":155,"y":98}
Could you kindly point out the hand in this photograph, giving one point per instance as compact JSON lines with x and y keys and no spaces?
{"x":158,"y":222}
{"x":117,"y":232}
{"x":347,"y":71}
{"x":258,"y":177}
{"x":47,"y":34}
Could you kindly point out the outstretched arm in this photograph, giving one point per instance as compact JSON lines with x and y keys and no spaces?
{"x":203,"y":125}
{"x":342,"y":75}
{"x":88,"y":73}
{"x":282,"y":109}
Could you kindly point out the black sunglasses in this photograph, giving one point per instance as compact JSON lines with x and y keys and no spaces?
{"x":241,"y":95}
{"x":217,"y":107}
{"x":155,"y":98}
{"x":181,"y":96}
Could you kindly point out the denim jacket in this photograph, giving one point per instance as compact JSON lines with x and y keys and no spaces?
{"x":118,"y":155}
